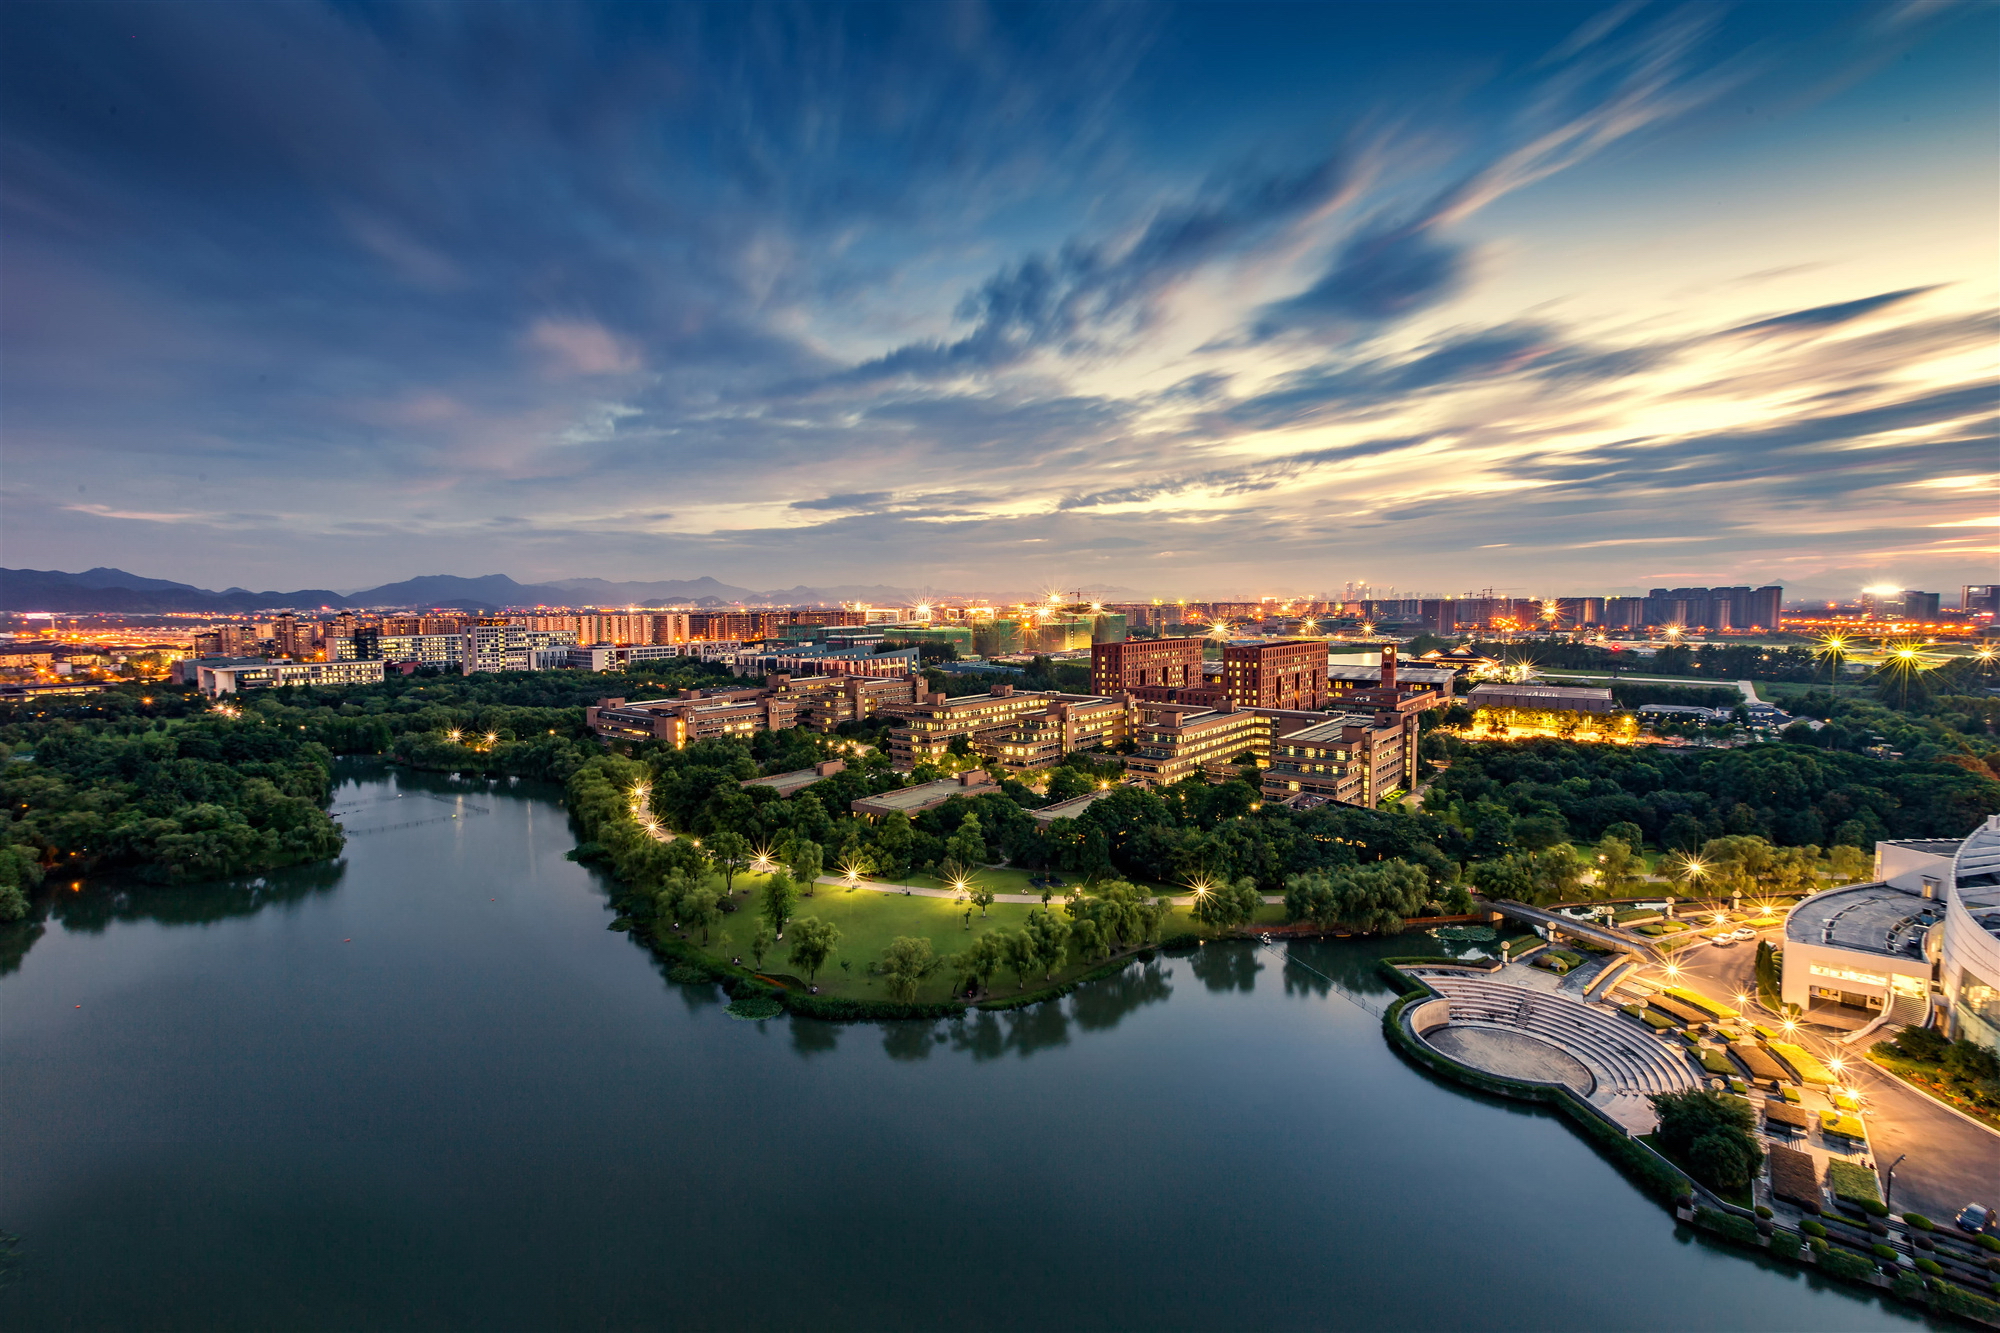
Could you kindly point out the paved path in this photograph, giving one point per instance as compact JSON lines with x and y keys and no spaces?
{"x":919,"y":891}
{"x":1950,"y":1162}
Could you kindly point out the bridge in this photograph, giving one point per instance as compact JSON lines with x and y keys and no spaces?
{"x":1609,"y":937}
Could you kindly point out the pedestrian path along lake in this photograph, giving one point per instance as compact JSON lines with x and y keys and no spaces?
{"x":427,"y":1088}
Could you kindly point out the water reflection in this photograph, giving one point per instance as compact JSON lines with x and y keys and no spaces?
{"x":1228,"y":967}
{"x":984,"y":1035}
{"x":812,"y":1037}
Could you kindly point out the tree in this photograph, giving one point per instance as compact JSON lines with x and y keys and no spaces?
{"x":1711,"y":1132}
{"x":968,"y":845}
{"x":1087,"y":938}
{"x":1048,"y":935}
{"x":893,"y":839}
{"x":760,"y":943}
{"x":779,"y":900}
{"x":703,"y":908}
{"x":1616,"y":859}
{"x":731,"y":852}
{"x":905,"y":964}
{"x":806,"y":863}
{"x":1378,"y":897}
{"x":1227,"y":905}
{"x":813,"y":940}
{"x":1020,"y":952}
{"x":982,"y":958}
{"x":1847,"y":863}
{"x":1310,"y":897}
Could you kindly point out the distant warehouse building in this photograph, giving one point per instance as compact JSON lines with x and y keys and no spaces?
{"x":1543,"y":698}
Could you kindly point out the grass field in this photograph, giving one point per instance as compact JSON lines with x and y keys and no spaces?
{"x":869,"y":920}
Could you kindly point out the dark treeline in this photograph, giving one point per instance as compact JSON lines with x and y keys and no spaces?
{"x":1534,"y":794}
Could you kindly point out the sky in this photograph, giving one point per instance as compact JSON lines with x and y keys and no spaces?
{"x":1219,"y":300}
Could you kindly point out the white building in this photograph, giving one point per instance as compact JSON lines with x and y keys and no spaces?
{"x":1924,"y":934}
{"x":508,"y":647}
{"x":228,"y":678}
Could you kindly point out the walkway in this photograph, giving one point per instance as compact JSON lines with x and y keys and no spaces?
{"x":919,"y":891}
{"x":1611,"y":937}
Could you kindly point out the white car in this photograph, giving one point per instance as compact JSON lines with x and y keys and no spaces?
{"x":1743,"y":933}
{"x":1722,"y":941}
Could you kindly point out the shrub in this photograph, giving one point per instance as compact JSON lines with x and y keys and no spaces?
{"x":1954,"y":1299}
{"x":1845,"y":1263}
{"x":1785,"y":1244}
{"x":1812,"y":1228}
{"x":1986,"y":1242}
{"x":1882,"y":1251}
{"x":1919,"y":1221}
{"x":1930,"y":1267}
{"x":1875,"y":1207}
{"x":1818,"y":1244}
{"x":1764,"y":1212}
{"x":686,"y":974}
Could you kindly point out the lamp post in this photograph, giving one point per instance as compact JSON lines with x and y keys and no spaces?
{"x":1889,"y":1186}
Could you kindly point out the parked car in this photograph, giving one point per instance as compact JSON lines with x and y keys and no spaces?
{"x":1722,"y":941}
{"x":1743,"y":933}
{"x":1974,"y":1217}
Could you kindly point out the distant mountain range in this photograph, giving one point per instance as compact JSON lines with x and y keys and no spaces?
{"x":116,"y":590}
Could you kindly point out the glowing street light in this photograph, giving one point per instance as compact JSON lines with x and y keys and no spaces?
{"x":453,"y":735}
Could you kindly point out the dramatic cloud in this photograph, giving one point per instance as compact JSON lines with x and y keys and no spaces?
{"x":996,"y":297}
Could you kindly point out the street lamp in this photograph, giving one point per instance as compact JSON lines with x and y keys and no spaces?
{"x":1889,"y":1186}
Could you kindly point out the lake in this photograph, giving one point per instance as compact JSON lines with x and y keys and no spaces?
{"x":427,"y":1088}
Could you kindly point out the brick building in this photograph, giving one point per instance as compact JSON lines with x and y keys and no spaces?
{"x":1290,"y":673}
{"x":1143,"y":664}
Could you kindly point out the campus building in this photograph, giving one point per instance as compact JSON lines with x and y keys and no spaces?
{"x":1923,"y":936}
{"x":219,"y":678}
{"x":1137,"y":665}
{"x":694,"y":716}
{"x":926,"y":729}
{"x":1288,"y":673}
{"x":1355,"y":759}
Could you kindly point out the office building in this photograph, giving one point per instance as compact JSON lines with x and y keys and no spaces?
{"x":1980,"y":599}
{"x":1355,"y":758}
{"x":1290,"y":673}
{"x":1921,"y":606}
{"x":693,"y":716}
{"x":1543,"y":698}
{"x":1068,"y":723}
{"x":1346,"y":680}
{"x":925,"y":729}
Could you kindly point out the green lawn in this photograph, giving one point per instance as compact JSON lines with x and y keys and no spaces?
{"x":869,"y":919}
{"x":1007,"y":880}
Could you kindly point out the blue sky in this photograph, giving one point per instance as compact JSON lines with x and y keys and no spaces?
{"x":1201,"y":300}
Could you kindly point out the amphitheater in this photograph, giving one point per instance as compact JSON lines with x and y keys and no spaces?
{"x":1538,"y":1037}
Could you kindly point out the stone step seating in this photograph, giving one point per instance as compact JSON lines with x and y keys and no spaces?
{"x":1628,"y":1065}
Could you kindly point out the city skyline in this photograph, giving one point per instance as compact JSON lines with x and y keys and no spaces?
{"x":1217,"y":301}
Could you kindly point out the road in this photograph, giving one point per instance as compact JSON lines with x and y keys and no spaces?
{"x":1951,"y":1162}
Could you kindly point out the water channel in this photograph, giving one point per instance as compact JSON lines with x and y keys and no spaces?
{"x":426,"y":1088}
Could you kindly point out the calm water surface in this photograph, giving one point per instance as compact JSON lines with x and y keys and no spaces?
{"x":429,"y":1089}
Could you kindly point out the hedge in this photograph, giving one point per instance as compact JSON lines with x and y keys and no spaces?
{"x":1657,"y":1022}
{"x":1810,"y":1070}
{"x":1739,"y":1229}
{"x":1714,"y":1061}
{"x":1855,"y":1183}
{"x":1701,"y":1001}
{"x":1847,"y":1264}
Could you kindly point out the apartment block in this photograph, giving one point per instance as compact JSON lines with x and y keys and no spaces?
{"x":1290,"y":673}
{"x":501,"y":646}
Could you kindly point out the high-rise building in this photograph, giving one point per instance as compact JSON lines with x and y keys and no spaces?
{"x":1920,"y":605}
{"x":1980,"y":599}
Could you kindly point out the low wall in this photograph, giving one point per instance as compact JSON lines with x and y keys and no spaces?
{"x":1429,"y":1016}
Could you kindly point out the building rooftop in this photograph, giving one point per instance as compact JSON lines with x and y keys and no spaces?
{"x":1328,"y":730}
{"x":924,"y":795}
{"x":1069,"y":809}
{"x":1870,"y":918}
{"x":1555,"y":695}
{"x":789,"y":784}
{"x":1935,"y":846}
{"x":1421,"y":675}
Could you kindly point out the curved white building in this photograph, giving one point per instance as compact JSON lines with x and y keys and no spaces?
{"x":1969,"y":968}
{"x":1924,"y":934}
